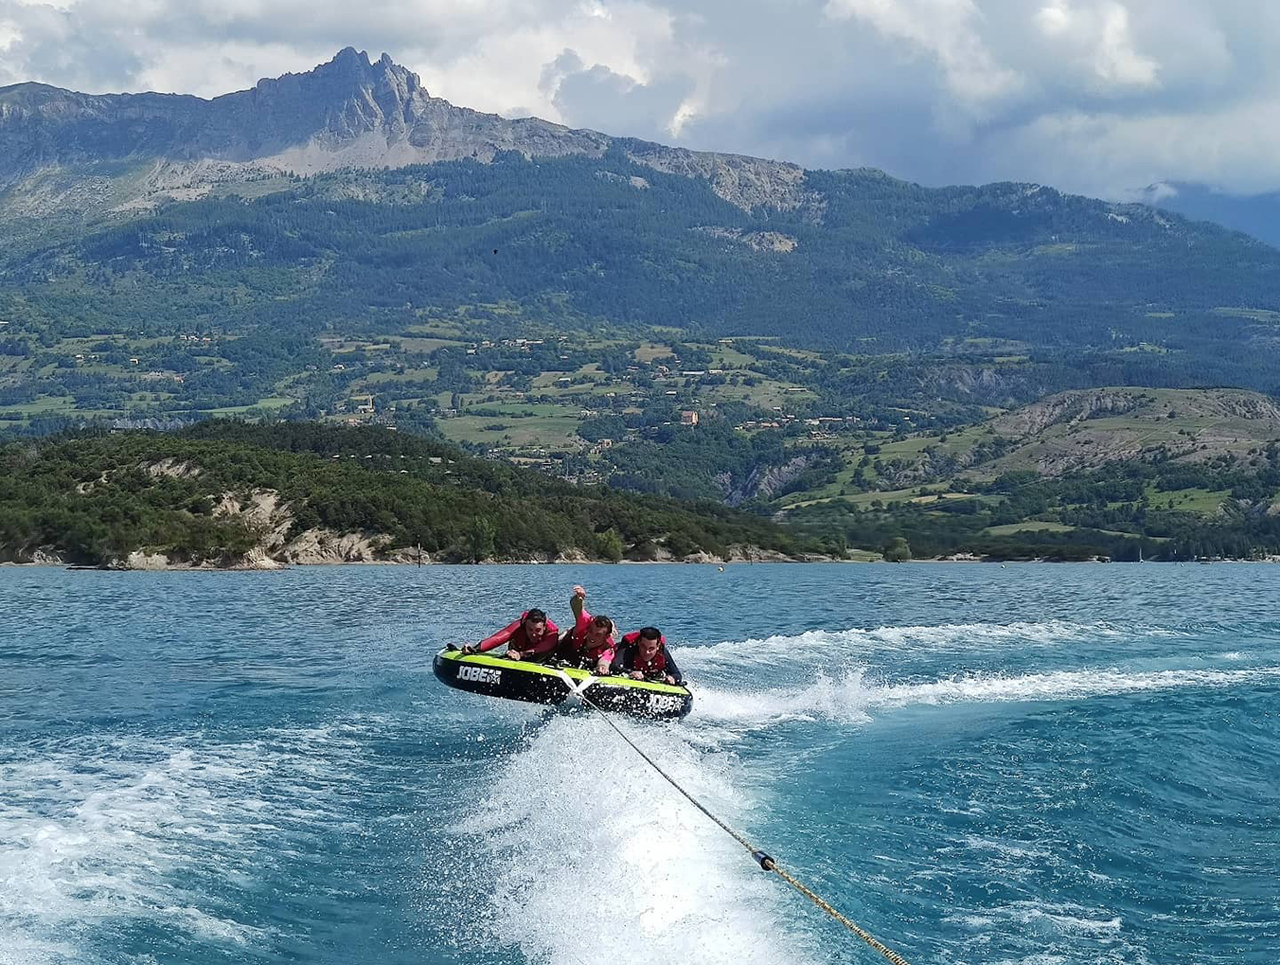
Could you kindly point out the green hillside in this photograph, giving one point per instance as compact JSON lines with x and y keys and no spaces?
{"x":993,"y":295}
{"x":222,"y":491}
{"x":1114,"y":473}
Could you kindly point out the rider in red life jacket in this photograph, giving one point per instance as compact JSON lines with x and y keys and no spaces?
{"x":532,"y":637}
{"x":589,"y":644}
{"x":643,"y":655}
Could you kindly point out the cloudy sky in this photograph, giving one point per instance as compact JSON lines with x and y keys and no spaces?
{"x":1098,"y":96}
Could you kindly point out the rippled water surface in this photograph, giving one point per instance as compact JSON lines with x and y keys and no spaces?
{"x":979,"y":764}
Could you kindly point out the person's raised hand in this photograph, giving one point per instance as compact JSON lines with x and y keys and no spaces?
{"x":580,"y":592}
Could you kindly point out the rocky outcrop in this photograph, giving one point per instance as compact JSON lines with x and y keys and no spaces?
{"x":327,"y":546}
{"x":272,"y":519}
{"x":747,"y":182}
{"x":763,"y":481}
{"x":33,"y":555}
{"x":1089,"y":428}
{"x":755,"y":240}
{"x":1067,"y":408}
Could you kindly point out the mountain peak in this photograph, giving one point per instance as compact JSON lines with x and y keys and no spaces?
{"x":351,"y":54}
{"x":349,"y":68}
{"x":348,"y":112}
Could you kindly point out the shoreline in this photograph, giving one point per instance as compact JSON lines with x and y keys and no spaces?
{"x":360,"y":552}
{"x":153,"y":566}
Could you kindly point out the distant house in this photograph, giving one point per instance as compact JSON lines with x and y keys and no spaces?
{"x":688,"y":418}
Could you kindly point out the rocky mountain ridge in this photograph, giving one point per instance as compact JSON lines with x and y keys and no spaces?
{"x":348,"y":113}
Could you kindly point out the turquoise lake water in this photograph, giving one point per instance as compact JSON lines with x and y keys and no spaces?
{"x":979,"y":764}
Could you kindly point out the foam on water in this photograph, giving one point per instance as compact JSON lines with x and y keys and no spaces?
{"x":1064,"y":685}
{"x":115,"y":830}
{"x":852,"y":699}
{"x":585,"y":855}
{"x":1059,"y":925}
{"x":977,"y":636}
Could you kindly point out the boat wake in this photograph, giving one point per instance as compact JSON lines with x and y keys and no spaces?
{"x":960,"y":637}
{"x":850,"y":698}
{"x":579,"y":853}
{"x":122,"y":832}
{"x":830,"y":675}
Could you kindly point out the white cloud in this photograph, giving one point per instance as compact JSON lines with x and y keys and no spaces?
{"x":1234,"y":148}
{"x":947,"y":29}
{"x":1117,"y":60}
{"x":1092,"y":95}
{"x":1098,"y":35}
{"x":9,"y":34}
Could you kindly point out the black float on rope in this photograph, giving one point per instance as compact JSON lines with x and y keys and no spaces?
{"x":763,"y":860}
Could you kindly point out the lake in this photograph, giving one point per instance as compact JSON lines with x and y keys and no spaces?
{"x":977,"y":763}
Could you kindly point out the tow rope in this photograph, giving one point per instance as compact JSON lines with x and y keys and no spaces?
{"x":760,"y":857}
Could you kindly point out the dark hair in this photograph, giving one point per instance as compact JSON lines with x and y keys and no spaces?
{"x":535,"y":615}
{"x":650,"y":633}
{"x":601,"y":621}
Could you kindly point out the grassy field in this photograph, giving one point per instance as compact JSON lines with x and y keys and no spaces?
{"x":1030,"y":526}
{"x":726,"y":356}
{"x":863,"y":500}
{"x":649,"y":352}
{"x":45,"y":405}
{"x":425,"y":346}
{"x":1188,"y":500}
{"x":273,"y":402}
{"x":546,"y":432}
{"x":385,"y":379}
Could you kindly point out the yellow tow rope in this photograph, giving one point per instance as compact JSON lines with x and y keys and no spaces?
{"x":764,"y":860}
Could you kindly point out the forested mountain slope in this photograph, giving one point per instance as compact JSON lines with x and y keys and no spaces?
{"x":880,"y":266}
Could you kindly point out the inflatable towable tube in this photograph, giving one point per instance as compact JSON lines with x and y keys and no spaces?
{"x":481,"y":673}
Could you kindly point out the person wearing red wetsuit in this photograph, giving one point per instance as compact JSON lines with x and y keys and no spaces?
{"x":643,"y":655}
{"x":532,"y":637}
{"x":589,"y":645}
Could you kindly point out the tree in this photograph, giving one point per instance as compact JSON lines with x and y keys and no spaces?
{"x":481,"y":538}
{"x":609,"y":545}
{"x":897,"y":550}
